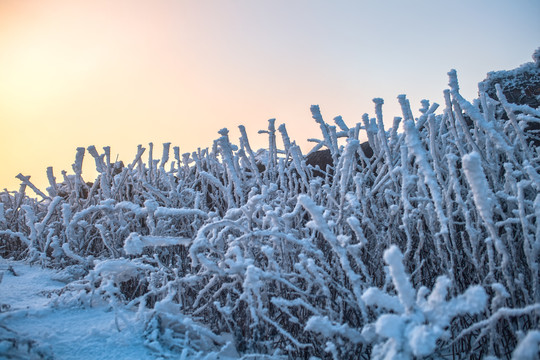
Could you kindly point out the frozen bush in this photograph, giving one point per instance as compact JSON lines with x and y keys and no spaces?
{"x":411,"y":323}
{"x":259,"y":253}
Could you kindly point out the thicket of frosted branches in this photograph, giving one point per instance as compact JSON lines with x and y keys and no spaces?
{"x":429,"y":248}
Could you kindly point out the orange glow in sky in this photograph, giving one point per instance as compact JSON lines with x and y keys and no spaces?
{"x":75,"y":73}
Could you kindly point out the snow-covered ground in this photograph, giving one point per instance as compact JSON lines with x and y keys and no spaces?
{"x":59,"y":331}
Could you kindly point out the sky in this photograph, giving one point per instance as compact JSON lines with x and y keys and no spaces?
{"x":119,"y":73}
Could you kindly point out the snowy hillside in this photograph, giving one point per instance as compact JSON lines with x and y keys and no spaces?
{"x":428,"y":247}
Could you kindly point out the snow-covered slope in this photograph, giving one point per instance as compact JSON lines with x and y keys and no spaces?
{"x":43,"y":327}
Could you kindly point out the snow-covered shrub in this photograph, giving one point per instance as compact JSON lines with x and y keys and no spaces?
{"x":262,"y":254}
{"x":411,"y":323}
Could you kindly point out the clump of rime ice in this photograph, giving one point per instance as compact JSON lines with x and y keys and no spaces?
{"x":411,"y":322}
{"x":482,"y":195}
{"x":529,"y":347}
{"x":136,"y":243}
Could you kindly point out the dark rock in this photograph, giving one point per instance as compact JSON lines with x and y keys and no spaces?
{"x":521,"y":86}
{"x":322,"y":161}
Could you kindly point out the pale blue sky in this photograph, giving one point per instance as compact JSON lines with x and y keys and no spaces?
{"x":122,"y":73}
